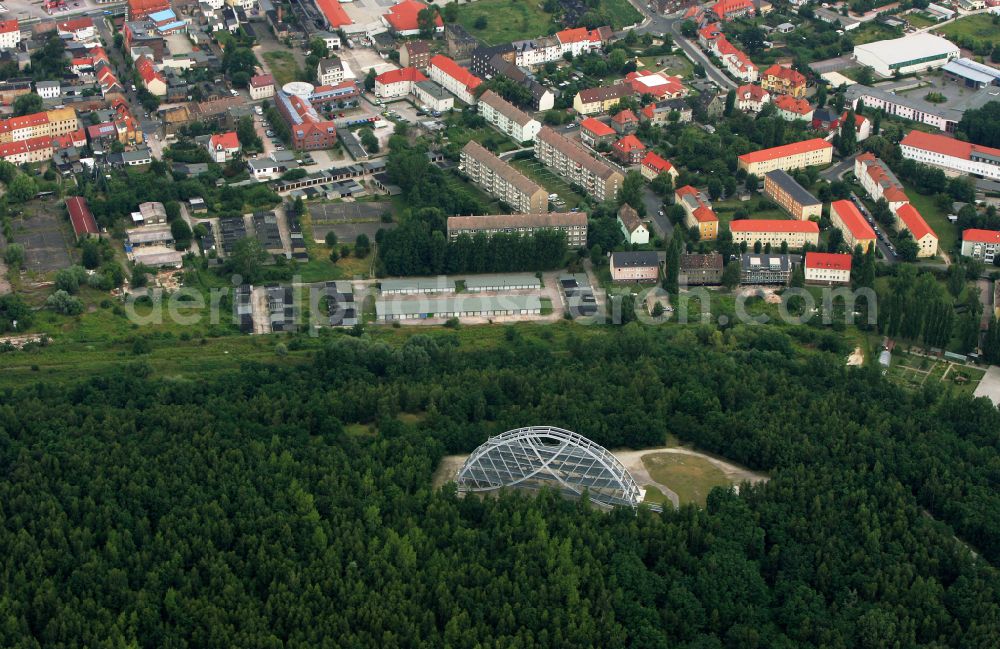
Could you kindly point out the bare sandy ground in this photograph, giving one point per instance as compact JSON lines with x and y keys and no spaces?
{"x":857,"y":357}
{"x":448,"y":468}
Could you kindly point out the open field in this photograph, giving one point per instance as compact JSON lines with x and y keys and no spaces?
{"x":919,"y":20}
{"x":979,"y":27}
{"x":690,"y":477}
{"x":506,"y":21}
{"x":283,"y":66}
{"x":621,"y":13}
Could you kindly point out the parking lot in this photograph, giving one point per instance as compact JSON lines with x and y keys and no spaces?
{"x":348,"y":220}
{"x":42,"y":233}
{"x":26,"y":9}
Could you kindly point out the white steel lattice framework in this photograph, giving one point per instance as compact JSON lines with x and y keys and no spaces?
{"x":537,"y":456}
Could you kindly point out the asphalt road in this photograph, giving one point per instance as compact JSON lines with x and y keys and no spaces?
{"x":656,"y":24}
{"x":662,"y":227}
{"x":881,"y":240}
{"x":835,"y":172}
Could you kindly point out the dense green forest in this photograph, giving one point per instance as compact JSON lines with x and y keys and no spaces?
{"x":245,"y":510}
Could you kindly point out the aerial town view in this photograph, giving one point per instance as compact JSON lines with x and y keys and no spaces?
{"x":496,"y":324}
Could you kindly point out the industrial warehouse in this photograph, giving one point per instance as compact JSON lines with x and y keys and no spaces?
{"x":457,"y":307}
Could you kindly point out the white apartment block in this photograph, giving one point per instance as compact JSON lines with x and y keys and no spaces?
{"x":507,"y":118}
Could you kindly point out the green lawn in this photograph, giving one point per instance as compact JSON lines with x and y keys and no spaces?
{"x":552,"y":183}
{"x":919,"y":20}
{"x":979,"y":27}
{"x":283,"y":66}
{"x":946,"y":231}
{"x":506,"y":20}
{"x":916,"y":372}
{"x":621,"y":13}
{"x":690,"y":477}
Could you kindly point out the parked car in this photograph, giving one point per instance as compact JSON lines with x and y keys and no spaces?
{"x":269,"y":133}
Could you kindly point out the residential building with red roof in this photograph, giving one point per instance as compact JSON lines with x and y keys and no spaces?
{"x":594,"y":132}
{"x":453,"y":78}
{"x":581,"y":40}
{"x":697,"y":212}
{"x":908,"y":218}
{"x":726,"y":10}
{"x":84,"y":224}
{"x":261,"y":86}
{"x":951,"y":154}
{"x":333,"y":11}
{"x":223,"y":147}
{"x":77,"y":138}
{"x":79,"y":29}
{"x":862,"y":126}
{"x":782,"y":80}
{"x":789,"y":108}
{"x":152,"y":78}
{"x":735,"y":60}
{"x":309,"y":131}
{"x":625,"y":122}
{"x":397,"y":83}
{"x":10,"y":34}
{"x":879,"y":181}
{"x":709,"y":33}
{"x":139,"y":9}
{"x":661,"y":86}
{"x":403,"y":18}
{"x":751,"y":98}
{"x":846,"y":217}
{"x":775,"y":232}
{"x":629,"y":150}
{"x":797,"y":155}
{"x":36,"y":149}
{"x":653,"y":165}
{"x":828,"y":268}
{"x":983,"y":245}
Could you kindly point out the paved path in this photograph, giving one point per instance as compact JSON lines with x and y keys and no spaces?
{"x":989,"y":387}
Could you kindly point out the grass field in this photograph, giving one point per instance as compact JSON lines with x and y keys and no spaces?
{"x":690,"y":477}
{"x":915,"y":372}
{"x":552,"y":183}
{"x":621,"y":13}
{"x":979,"y":27}
{"x":283,"y":66}
{"x":506,"y":20}
{"x":919,"y":20}
{"x":946,"y":231}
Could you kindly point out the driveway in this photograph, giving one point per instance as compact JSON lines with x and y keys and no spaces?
{"x":837,"y":171}
{"x":662,"y":226}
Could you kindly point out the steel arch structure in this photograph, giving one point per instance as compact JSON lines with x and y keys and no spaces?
{"x":538,"y":456}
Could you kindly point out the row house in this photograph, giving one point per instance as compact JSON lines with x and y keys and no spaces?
{"x":736,"y":62}
{"x":697,"y":212}
{"x":879,"y":181}
{"x":797,"y":155}
{"x":775,"y":232}
{"x":661,"y":112}
{"x":726,"y":10}
{"x":36,"y":149}
{"x":152,"y":79}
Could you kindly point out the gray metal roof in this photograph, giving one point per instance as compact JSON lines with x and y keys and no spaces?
{"x":503,"y":279}
{"x":791,"y":187}
{"x":440,"y":284}
{"x":456,"y":305}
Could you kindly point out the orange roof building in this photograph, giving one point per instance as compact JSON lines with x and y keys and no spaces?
{"x":652,"y":165}
{"x":139,"y":9}
{"x":333,"y":11}
{"x":403,"y":18}
{"x":951,"y":154}
{"x":846,"y":217}
{"x":593,"y":132}
{"x":775,"y":232}
{"x":878,"y":180}
{"x":798,"y":155}
{"x":782,"y":80}
{"x":908,"y":218}
{"x":629,"y":150}
{"x":697,"y":212}
{"x":828,"y":268}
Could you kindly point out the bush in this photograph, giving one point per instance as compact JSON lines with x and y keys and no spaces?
{"x":64,"y":303}
{"x":69,"y":279}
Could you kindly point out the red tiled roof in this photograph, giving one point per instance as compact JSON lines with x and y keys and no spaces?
{"x":624,"y":116}
{"x":795,"y":148}
{"x":597,"y":127}
{"x":75,"y":25}
{"x":725,"y":7}
{"x":655,"y":83}
{"x":875,"y":169}
{"x":226,"y":141}
{"x":402,"y":74}
{"x":981,"y":236}
{"x":403,"y":16}
{"x":262,"y":81}
{"x":790,"y":104}
{"x":945,"y":145}
{"x":144,"y":66}
{"x":710,"y":32}
{"x":455,"y":71}
{"x":852,"y":219}
{"x":629,"y":143}
{"x":704,"y":214}
{"x":579,"y":35}
{"x":143,"y":8}
{"x":7,"y":26}
{"x":8,"y":149}
{"x":751,"y":91}
{"x":793,"y":77}
{"x":773,"y":225}
{"x":656,"y":163}
{"x":334,"y":13}
{"x":831,"y":260}
{"x":686,"y":190}
{"x":80,"y":216}
{"x":914,"y":222}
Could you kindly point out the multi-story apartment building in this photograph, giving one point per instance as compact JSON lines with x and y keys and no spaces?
{"x":503,"y":181}
{"x":735,"y":60}
{"x":791,"y":196}
{"x":507,"y":118}
{"x":775,"y":232}
{"x":954,"y":156}
{"x":879,"y":181}
{"x":846,"y":217}
{"x":453,"y":78}
{"x":908,"y":218}
{"x":330,"y":72}
{"x":53,"y":123}
{"x":726,"y":10}
{"x":790,"y":109}
{"x":415,"y":54}
{"x":697,"y":212}
{"x":261,"y":86}
{"x":779,"y":79}
{"x":798,"y":155}
{"x":10,"y":34}
{"x":828,"y":268}
{"x":37,"y":149}
{"x":653,"y":165}
{"x":765,"y":269}
{"x":575,"y":41}
{"x":594,"y":132}
{"x":751,"y":98}
{"x":643,"y":266}
{"x":397,"y":83}
{"x":569,"y":160}
{"x":940,"y":116}
{"x":981,"y":244}
{"x":602,"y":99}
{"x":574,"y":224}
